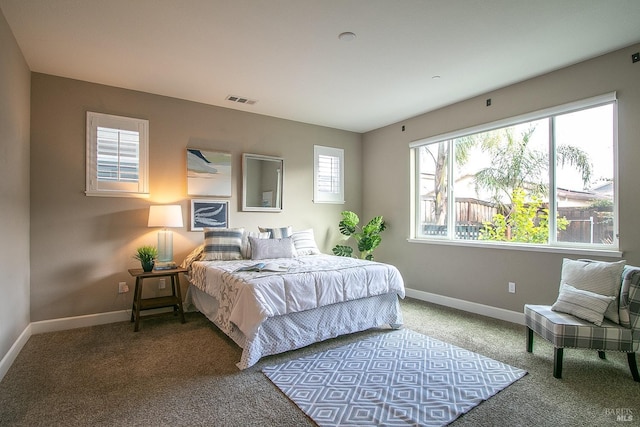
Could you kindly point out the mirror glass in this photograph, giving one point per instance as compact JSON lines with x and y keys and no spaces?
{"x":262,"y":178}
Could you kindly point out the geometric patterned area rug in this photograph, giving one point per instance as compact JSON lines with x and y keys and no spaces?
{"x":399,"y":377}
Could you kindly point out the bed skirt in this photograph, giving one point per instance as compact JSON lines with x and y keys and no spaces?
{"x":295,"y":330}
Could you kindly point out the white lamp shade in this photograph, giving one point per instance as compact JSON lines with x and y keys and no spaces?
{"x":165,"y":216}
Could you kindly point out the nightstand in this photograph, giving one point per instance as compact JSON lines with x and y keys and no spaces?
{"x":174,"y":300}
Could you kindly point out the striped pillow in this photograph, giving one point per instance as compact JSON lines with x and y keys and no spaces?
{"x":583,"y":304}
{"x":278,"y":233}
{"x":222,"y":244}
{"x":305,"y":242}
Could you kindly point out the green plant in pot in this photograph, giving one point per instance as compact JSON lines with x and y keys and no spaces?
{"x":146,"y":255}
{"x":367,"y":238}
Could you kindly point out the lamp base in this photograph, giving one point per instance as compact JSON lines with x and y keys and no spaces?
{"x":165,"y":246}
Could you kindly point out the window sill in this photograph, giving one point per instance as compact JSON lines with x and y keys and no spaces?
{"x":116,"y":194}
{"x":567,"y":250}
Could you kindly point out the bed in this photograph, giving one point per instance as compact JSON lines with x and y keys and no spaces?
{"x":316,"y":297}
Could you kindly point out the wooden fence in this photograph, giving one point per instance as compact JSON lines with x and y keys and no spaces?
{"x":586,"y":225}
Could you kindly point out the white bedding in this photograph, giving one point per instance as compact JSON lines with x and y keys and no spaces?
{"x":247,"y":299}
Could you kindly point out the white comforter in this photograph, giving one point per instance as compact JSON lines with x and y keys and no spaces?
{"x":248,"y":298}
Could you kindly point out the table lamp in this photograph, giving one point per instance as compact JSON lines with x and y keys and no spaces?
{"x":165,"y":216}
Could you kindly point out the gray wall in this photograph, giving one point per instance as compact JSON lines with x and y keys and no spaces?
{"x":82,"y":246}
{"x":481,"y":275}
{"x":14,"y":189}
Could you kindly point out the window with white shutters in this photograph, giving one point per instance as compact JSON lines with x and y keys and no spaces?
{"x":117,"y":153}
{"x":328,"y":173}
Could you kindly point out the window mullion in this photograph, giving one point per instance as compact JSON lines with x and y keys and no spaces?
{"x":553,"y":192}
{"x":451,"y":201}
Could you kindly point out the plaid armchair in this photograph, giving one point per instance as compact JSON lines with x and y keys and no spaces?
{"x":568,"y":331}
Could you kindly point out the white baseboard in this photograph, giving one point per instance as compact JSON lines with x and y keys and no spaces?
{"x":13,"y":352}
{"x":472,"y":307}
{"x":62,"y":324}
{"x":65,"y":323}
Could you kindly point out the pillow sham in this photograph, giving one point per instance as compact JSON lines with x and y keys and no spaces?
{"x":305,"y":242}
{"x":600,"y":277}
{"x":272,"y":248}
{"x":222,"y":244}
{"x":583,"y":304}
{"x":246,"y":246}
{"x":196,"y":255}
{"x":277,"y":232}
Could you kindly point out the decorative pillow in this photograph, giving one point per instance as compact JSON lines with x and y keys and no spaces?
{"x":246,"y":247}
{"x":196,"y":255}
{"x":305,"y":242}
{"x":583,"y":304}
{"x":278,"y":233}
{"x":600,"y":277}
{"x":272,"y":248}
{"x":222,"y":244}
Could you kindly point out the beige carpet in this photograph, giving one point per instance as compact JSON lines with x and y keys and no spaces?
{"x":173,"y":374}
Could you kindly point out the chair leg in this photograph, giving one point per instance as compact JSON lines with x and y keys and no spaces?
{"x":529,"y":340}
{"x":601,"y":354}
{"x":557,"y":362}
{"x":633,"y":365}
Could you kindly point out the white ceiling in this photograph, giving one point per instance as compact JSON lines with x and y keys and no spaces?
{"x":286,"y":53}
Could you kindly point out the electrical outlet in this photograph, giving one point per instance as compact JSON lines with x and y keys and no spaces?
{"x":512,"y":287}
{"x":122,"y":287}
{"x":161,"y":283}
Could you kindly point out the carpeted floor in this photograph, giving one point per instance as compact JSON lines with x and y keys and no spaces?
{"x":173,"y":374}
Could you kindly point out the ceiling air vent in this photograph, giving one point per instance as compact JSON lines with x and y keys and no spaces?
{"x":241,"y":100}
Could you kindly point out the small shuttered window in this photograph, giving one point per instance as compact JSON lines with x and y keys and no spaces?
{"x":328,"y":174}
{"x":117,"y":153}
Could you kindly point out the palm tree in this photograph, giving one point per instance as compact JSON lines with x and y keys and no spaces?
{"x":515,"y":165}
{"x":463,"y":148}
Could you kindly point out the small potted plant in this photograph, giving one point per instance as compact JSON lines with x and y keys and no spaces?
{"x":146,"y":255}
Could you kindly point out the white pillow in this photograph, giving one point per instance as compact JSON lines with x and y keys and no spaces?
{"x":272,"y":248}
{"x":305,"y":242}
{"x":600,"y":277}
{"x":222,"y":244}
{"x":246,"y":246}
{"x":583,"y":304}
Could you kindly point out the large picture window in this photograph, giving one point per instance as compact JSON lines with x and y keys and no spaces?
{"x":545,"y":178}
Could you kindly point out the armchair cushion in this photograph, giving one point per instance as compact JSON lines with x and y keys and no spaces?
{"x":583,"y":304}
{"x":564,"y":330}
{"x":598,"y":277}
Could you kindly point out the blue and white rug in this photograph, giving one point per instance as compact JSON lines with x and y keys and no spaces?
{"x":395,"y":378}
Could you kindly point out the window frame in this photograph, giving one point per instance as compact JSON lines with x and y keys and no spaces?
{"x":117,"y":188}
{"x":553,"y":245}
{"x":328,"y":197}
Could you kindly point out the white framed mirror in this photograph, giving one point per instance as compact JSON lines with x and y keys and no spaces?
{"x":262,"y":178}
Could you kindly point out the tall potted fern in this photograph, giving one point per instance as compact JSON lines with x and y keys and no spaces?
{"x":367,"y":238}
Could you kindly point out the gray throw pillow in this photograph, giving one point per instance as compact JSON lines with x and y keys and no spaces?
{"x":271,"y":248}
